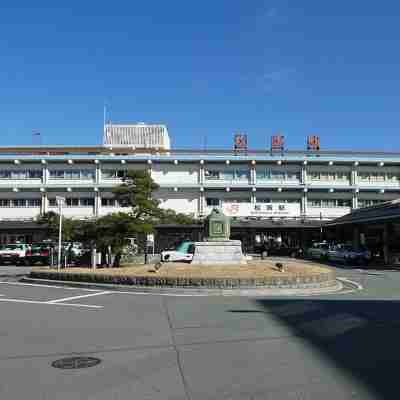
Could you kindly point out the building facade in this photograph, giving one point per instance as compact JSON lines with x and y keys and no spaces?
{"x":259,"y":185}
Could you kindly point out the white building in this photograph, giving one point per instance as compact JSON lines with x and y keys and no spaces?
{"x":320,"y":185}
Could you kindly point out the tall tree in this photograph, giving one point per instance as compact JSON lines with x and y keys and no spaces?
{"x":51,"y":221}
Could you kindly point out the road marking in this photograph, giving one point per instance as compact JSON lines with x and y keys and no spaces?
{"x":48,"y":286}
{"x":76,"y":297}
{"x":356,"y":284}
{"x":48,"y":303}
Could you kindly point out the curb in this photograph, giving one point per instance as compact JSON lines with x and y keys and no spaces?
{"x":168,"y":282}
{"x":329,"y":287}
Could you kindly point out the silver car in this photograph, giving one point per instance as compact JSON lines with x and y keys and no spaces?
{"x":318,"y":251}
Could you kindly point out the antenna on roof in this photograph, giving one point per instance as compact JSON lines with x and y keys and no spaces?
{"x":36,"y":137}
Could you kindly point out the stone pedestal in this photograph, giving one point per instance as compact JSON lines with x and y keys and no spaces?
{"x":219,"y":252}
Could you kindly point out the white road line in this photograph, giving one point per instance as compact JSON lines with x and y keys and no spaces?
{"x":356,"y":284}
{"x":48,"y":286}
{"x":48,"y":303}
{"x":76,"y":297}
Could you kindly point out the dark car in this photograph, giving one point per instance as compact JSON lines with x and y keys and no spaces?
{"x":280,"y":251}
{"x":39,"y":253}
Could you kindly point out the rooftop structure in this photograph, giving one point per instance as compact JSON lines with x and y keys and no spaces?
{"x":137,"y":135}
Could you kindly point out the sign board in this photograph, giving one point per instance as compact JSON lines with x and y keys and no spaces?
{"x":313,"y":143}
{"x":277,"y":143}
{"x":60,"y":201}
{"x":150,"y":238}
{"x":266,"y":210}
{"x":240,"y":142}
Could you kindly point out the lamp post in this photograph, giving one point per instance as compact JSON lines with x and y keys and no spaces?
{"x":60,"y":202}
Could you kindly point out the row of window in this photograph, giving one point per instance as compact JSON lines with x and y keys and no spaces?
{"x":368,"y":203}
{"x":227,"y":175}
{"x":329,"y":203}
{"x":81,"y":174}
{"x":74,"y":202}
{"x":378,"y":177}
{"x":21,"y":174}
{"x":277,"y":175}
{"x":20,"y":202}
{"x":329,"y":176}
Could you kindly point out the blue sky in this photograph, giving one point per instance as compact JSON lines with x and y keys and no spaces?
{"x":206,"y":69}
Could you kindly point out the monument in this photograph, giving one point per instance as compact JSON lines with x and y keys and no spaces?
{"x":217,"y":247}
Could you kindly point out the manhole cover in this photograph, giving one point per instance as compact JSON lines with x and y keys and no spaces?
{"x":76,"y":362}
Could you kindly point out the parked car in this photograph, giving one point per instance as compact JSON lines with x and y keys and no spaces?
{"x":14,"y":253}
{"x":282,"y":251}
{"x":183,"y":252}
{"x":319,"y":250}
{"x":347,"y":255}
{"x":38,"y":252}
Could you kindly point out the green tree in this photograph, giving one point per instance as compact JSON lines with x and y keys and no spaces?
{"x":51,"y":220}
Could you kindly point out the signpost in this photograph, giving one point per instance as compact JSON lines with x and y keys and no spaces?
{"x":60,"y":202}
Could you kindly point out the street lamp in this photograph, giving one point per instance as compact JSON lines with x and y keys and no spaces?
{"x":60,"y":202}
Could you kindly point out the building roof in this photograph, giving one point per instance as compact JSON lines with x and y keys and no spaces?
{"x":383,"y":211}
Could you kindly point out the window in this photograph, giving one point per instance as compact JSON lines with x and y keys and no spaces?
{"x":34,"y":202}
{"x":21,"y":174}
{"x":18,"y":203}
{"x":329,"y":176}
{"x":72,"y":202}
{"x":213,"y":202}
{"x":277,"y":174}
{"x":52,"y":203}
{"x":368,"y":202}
{"x":109,"y":202}
{"x":113,"y":173}
{"x":212,"y":175}
{"x":4,"y":203}
{"x":329,"y":203}
{"x":378,"y":177}
{"x":87,"y":202}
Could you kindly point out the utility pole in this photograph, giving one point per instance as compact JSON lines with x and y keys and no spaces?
{"x":60,"y":202}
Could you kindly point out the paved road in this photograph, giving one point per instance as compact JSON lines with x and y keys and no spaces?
{"x":342,"y":346}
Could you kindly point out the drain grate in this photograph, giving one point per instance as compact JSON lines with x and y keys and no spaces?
{"x":76,"y":362}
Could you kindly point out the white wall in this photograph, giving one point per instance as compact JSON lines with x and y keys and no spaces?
{"x":169,"y":173}
{"x":182,"y":202}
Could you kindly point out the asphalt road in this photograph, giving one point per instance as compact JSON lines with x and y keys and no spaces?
{"x":341,"y":346}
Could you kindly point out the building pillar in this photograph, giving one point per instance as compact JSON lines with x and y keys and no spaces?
{"x":97,"y":172}
{"x":201,"y":203}
{"x":45,"y":204}
{"x":45,"y":173}
{"x":303,"y":176}
{"x":304,"y":204}
{"x":253,"y":197}
{"x":386,"y":240}
{"x":97,"y":204}
{"x":201,"y":173}
{"x":355,"y":201}
{"x":354,"y":177}
{"x":356,"y":237}
{"x":253,"y":173}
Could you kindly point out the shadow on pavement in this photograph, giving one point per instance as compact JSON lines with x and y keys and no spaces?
{"x":360,"y":337}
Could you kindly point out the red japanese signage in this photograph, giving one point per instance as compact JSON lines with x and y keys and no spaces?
{"x":313,"y":143}
{"x":240,"y":142}
{"x":277,"y":143}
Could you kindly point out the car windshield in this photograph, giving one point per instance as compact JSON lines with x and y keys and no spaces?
{"x":13,"y":247}
{"x":183,"y":247}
